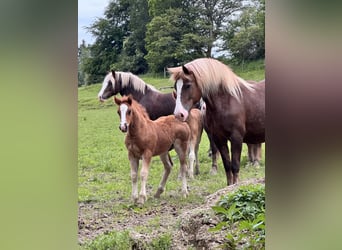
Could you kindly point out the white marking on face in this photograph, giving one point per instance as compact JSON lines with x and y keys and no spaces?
{"x":179,"y":86}
{"x":105,"y":84}
{"x":180,"y":111}
{"x":123,"y":111}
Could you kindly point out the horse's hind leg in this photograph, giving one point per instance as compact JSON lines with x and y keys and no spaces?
{"x":257,"y":155}
{"x":250,"y":153}
{"x":167,"y":169}
{"x":222,"y":146}
{"x":214,"y":153}
{"x":192,"y":158}
{"x":181,"y":148}
{"x":197,"y":171}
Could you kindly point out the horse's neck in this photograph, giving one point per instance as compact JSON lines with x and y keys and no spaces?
{"x":137,"y":95}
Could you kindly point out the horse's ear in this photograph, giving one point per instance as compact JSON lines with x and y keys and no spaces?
{"x":117,"y":100}
{"x":113,"y":73}
{"x":185,"y":70}
{"x":130,"y":99}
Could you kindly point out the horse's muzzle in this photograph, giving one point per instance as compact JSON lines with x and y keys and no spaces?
{"x":182,"y":116}
{"x":101,"y":99}
{"x":123,"y":127}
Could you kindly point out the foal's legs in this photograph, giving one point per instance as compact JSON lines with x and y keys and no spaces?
{"x":146,"y":159}
{"x":134,"y":176}
{"x":167,"y":169}
{"x":192,"y":158}
{"x":181,"y":148}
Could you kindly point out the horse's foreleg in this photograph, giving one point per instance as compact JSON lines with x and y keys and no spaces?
{"x":224,"y":151}
{"x":236,"y":144}
{"x":146,"y":159}
{"x":134,"y":177}
{"x":167,"y":169}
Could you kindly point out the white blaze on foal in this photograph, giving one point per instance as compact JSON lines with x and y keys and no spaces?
{"x":123,"y":122}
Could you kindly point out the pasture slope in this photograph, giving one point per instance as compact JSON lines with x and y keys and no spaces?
{"x":106,"y":212}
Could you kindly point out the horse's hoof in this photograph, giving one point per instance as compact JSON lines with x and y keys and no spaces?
{"x":158,"y":193}
{"x":213,"y":171}
{"x":256,"y":164}
{"x":135,"y":199}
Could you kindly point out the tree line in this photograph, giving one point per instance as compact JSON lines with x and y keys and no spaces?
{"x":143,"y":36}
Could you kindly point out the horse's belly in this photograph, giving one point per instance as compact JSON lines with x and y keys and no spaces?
{"x":162,"y":148}
{"x":254,"y":138}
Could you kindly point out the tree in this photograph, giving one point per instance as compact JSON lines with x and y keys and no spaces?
{"x":133,"y":51}
{"x":83,"y":56}
{"x":110,"y":33}
{"x":245,"y":36}
{"x":163,"y":37}
{"x":212,"y":15}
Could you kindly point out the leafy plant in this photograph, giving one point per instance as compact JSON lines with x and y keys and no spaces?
{"x":243,"y":217}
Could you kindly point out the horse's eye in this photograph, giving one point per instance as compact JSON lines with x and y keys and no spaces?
{"x":128,"y":112}
{"x":187,"y":86}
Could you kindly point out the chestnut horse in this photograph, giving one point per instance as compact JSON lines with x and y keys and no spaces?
{"x":146,"y":138}
{"x":235,"y":109}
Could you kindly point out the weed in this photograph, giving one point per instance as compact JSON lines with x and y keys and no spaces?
{"x":113,"y":240}
{"x":243,"y":216}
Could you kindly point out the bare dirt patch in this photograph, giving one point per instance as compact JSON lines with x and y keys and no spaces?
{"x":188,"y":224}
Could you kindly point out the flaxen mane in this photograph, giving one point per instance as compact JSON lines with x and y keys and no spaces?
{"x":127,"y":78}
{"x":211,"y":75}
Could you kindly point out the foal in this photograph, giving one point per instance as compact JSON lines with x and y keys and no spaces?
{"x":146,"y":138}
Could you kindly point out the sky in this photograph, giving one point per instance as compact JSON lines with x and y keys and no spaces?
{"x":88,"y":11}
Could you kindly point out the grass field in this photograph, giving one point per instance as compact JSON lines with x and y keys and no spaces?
{"x":103,"y":166}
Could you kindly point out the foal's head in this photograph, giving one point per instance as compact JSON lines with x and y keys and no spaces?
{"x":124,"y":111}
{"x":109,"y":87}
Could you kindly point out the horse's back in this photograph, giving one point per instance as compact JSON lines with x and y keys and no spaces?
{"x":158,"y":104}
{"x":254,"y":104}
{"x":171,"y":125}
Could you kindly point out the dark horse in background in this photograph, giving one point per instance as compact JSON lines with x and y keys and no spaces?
{"x":235,"y":109}
{"x":156,"y":103}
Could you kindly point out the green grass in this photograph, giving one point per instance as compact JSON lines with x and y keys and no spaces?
{"x":104,"y":170}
